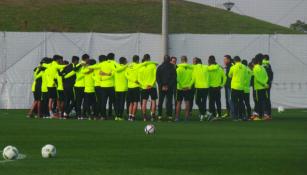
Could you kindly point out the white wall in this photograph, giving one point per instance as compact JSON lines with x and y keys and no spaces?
{"x":21,"y":52}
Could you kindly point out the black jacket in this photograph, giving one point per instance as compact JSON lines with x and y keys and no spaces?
{"x":166,"y":75}
{"x":68,"y":82}
{"x":228,"y":80}
{"x":270,"y":73}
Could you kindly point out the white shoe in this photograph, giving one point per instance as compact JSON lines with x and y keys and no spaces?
{"x":201,"y":118}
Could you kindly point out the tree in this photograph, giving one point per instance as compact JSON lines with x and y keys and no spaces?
{"x":299,"y":26}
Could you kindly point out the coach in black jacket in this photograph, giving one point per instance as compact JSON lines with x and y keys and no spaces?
{"x":166,"y":78}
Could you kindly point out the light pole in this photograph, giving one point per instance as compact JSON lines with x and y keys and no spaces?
{"x":164,"y":27}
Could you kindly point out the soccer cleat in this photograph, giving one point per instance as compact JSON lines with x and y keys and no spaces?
{"x":177,"y":119}
{"x":256,"y":119}
{"x":225,"y":115}
{"x":201,"y":118}
{"x":267,"y":117}
{"x":170,"y":118}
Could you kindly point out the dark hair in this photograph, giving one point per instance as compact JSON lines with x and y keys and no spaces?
{"x":199,"y":61}
{"x":258,"y":58}
{"x":91,"y":62}
{"x":211,"y":60}
{"x":46,"y":60}
{"x":136,"y":58}
{"x":228,"y":57}
{"x":184,"y":59}
{"x":122,"y":60}
{"x":57,"y":57}
{"x":244,"y":62}
{"x":75,"y":59}
{"x":146,"y":57}
{"x":102,"y":58}
{"x":236,"y":59}
{"x":266,"y":57}
{"x":85,"y":57}
{"x":167,"y":59}
{"x":65,"y":62}
{"x":111,"y":56}
{"x":175,"y":58}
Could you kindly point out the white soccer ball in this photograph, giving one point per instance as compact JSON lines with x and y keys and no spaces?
{"x":281,"y":109}
{"x":10,"y":153}
{"x":150,"y":129}
{"x":48,"y":151}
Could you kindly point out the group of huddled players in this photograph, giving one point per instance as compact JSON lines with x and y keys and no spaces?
{"x":84,"y":89}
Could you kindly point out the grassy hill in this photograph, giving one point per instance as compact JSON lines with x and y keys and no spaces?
{"x":125,"y":16}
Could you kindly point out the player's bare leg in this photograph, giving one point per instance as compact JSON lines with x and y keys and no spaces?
{"x":144,"y":108}
{"x":178,"y":108}
{"x":187,"y":110}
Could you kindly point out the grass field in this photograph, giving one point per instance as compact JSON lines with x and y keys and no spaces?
{"x":277,"y":147}
{"x":126,"y":16}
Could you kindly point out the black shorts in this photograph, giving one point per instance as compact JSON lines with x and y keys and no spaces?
{"x":133,"y":95}
{"x":37,"y":95}
{"x":60,"y":95}
{"x":145,"y":93}
{"x":184,"y":95}
{"x":52,"y":92}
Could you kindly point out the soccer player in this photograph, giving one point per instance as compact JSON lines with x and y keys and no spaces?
{"x":97,"y":79}
{"x":89,"y":105}
{"x":112,"y":63}
{"x":266,"y":64}
{"x":237,"y":74}
{"x":229,"y":106}
{"x":173,"y":61}
{"x":52,"y":72}
{"x":192,"y":89}
{"x":200,"y":79}
{"x":60,"y":91}
{"x":79,"y":85}
{"x":133,"y":94}
{"x":36,"y":89}
{"x":217,"y":80}
{"x":184,"y":83}
{"x":260,"y":87}
{"x":107,"y":69}
{"x":44,"y":89}
{"x":69,"y":79}
{"x":121,"y":88}
{"x":247,"y":84}
{"x":147,"y":80}
{"x":166,"y":79}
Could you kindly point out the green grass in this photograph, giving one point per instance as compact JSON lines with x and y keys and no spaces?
{"x":126,"y":16}
{"x":277,"y":147}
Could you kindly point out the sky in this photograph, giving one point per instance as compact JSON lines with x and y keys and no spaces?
{"x":281,"y":12}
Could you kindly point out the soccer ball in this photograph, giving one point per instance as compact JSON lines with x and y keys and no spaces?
{"x":48,"y":151}
{"x":281,"y":109}
{"x":150,"y":129}
{"x":10,"y":153}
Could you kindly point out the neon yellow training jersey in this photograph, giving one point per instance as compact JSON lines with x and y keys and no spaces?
{"x":89,"y":81}
{"x":200,"y":76}
{"x":184,"y":76}
{"x":147,"y":75}
{"x":120,"y":79}
{"x":237,"y":74}
{"x":36,"y":75}
{"x":260,"y":77}
{"x":217,"y":77}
